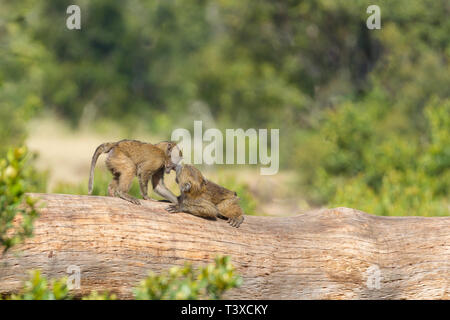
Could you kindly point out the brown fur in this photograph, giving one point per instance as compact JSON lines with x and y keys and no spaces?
{"x":204,"y":198}
{"x":130,"y":158}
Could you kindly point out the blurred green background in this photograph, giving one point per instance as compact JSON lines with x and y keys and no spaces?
{"x":364,"y":115}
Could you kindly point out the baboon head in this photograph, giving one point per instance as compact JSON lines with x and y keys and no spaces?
{"x":173,"y":154}
{"x":190,"y":179}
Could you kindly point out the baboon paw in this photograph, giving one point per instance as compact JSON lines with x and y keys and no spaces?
{"x":173,"y":209}
{"x":135,"y":201}
{"x":236,"y":222}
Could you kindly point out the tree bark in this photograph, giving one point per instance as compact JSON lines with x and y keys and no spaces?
{"x":326,"y":254}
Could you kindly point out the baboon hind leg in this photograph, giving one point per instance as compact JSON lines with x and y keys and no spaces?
{"x":231,"y":209}
{"x":125,"y":180}
{"x":124,"y":171}
{"x":113,"y":186}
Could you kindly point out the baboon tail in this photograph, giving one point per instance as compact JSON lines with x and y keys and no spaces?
{"x":103,"y":148}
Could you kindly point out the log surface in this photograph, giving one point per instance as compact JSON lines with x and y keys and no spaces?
{"x":327,"y":254}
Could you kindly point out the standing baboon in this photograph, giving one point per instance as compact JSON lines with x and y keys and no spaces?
{"x":204,"y":198}
{"x":130,"y":158}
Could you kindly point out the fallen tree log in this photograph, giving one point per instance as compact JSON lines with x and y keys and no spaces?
{"x":326,"y":254}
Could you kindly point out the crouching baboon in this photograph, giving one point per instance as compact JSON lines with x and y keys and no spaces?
{"x":204,"y":198}
{"x":129,"y":158}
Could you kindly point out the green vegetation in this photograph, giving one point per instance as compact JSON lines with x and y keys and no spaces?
{"x":17,"y":211}
{"x":39,"y":288}
{"x":386,"y":175}
{"x":180,"y":283}
{"x":20,"y":74}
{"x":187,"y":283}
{"x":363,"y":114}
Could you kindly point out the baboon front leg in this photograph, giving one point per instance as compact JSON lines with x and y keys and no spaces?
{"x":198,"y":207}
{"x":143,"y":184}
{"x":123,"y":169}
{"x":160,"y":188}
{"x":112,"y":187}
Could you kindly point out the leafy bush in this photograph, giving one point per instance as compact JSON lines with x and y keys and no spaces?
{"x":38,"y":288}
{"x":187,"y":283}
{"x":394,"y":176}
{"x":211,"y":281}
{"x":94,"y":295}
{"x":21,"y":63}
{"x":17,"y":211}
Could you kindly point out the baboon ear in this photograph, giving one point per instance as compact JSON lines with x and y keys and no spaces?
{"x":170,"y":146}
